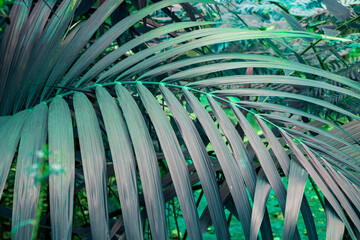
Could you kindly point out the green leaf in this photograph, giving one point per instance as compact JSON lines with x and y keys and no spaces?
{"x":33,"y":27}
{"x":104,"y":41}
{"x":334,"y":226}
{"x":214,"y":36}
{"x":9,"y":41}
{"x":138,"y":57}
{"x":70,"y":53}
{"x":147,"y":163}
{"x":201,"y":59}
{"x":124,"y":163}
{"x":49,"y":47}
{"x":294,"y":197}
{"x":244,"y":79}
{"x":348,"y":188}
{"x":324,"y":187}
{"x":328,"y":149}
{"x":265,"y":160}
{"x":61,"y":157}
{"x":262,"y":92}
{"x":10,"y":129}
{"x":201,"y":161}
{"x":27,"y":188}
{"x":325,"y":134}
{"x":237,"y":145}
{"x":175,"y":160}
{"x":261,"y":195}
{"x":94,"y":165}
{"x":116,"y":54}
{"x":285,"y":109}
{"x":226,"y":160}
{"x":284,"y":162}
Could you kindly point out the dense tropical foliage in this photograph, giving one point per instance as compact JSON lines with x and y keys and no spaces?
{"x":179,"y":119}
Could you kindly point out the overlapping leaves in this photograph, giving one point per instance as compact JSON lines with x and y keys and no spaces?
{"x":125,"y":102}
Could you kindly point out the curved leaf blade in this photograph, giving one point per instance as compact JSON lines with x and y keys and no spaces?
{"x":294,"y":197}
{"x":262,"y":191}
{"x":175,"y":159}
{"x":27,"y":188}
{"x":104,"y":41}
{"x":237,"y":146}
{"x":124,"y":163}
{"x":226,"y":160}
{"x":216,"y":35}
{"x":245,"y":79}
{"x":318,"y":180}
{"x":113,"y":56}
{"x":284,"y":161}
{"x":147,"y":163}
{"x":201,"y":161}
{"x":69,"y":54}
{"x":262,"y":92}
{"x":94,"y":165}
{"x":334,"y":226}
{"x":62,"y":155}
{"x":10,"y":131}
{"x":265,"y":160}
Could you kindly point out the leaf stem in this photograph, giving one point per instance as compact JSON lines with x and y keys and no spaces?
{"x":339,"y":27}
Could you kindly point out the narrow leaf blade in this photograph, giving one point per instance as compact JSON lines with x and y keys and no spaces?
{"x":227,"y":162}
{"x":295,"y":193}
{"x":62,"y":157}
{"x":262,"y":192}
{"x":124,"y":163}
{"x":94,"y":165}
{"x":10,"y":131}
{"x":147,"y":163}
{"x":175,"y":160}
{"x":27,"y":189}
{"x":201,"y":161}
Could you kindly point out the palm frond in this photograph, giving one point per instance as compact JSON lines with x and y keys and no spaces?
{"x":62,"y":158}
{"x":149,"y":124}
{"x":94,"y":165}
{"x":27,"y":189}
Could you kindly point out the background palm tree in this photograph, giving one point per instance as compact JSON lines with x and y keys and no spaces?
{"x":164,"y":118}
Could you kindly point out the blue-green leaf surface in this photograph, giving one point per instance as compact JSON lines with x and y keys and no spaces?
{"x":62,"y":158}
{"x":201,"y":161}
{"x":10,"y":129}
{"x":27,"y":188}
{"x":237,"y":146}
{"x":226,"y":160}
{"x":244,"y":79}
{"x":124,"y":163}
{"x":116,"y":54}
{"x":70,"y":53}
{"x":261,"y":195}
{"x":265,"y":160}
{"x":94,"y":165}
{"x":9,"y":41}
{"x":295,"y":192}
{"x":175,"y":160}
{"x":31,"y":31}
{"x":334,"y":226}
{"x":114,"y":32}
{"x":284,"y":162}
{"x":318,"y":180}
{"x":263,"y":92}
{"x":147,"y":163}
{"x":49,"y":48}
